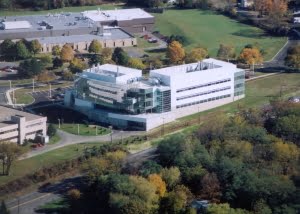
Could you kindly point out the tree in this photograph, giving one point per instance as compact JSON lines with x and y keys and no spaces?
{"x":77,"y":66}
{"x":196,"y":55}
{"x":224,"y":209}
{"x":136,"y":63}
{"x":210,"y":188}
{"x":96,"y":59}
{"x":67,"y":75}
{"x":160,"y":185}
{"x":3,"y":208}
{"x":57,"y":62}
{"x":67,"y":53}
{"x":46,"y":76}
{"x":251,"y":56}
{"x":21,"y":50}
{"x":226,"y":52}
{"x":260,"y":207}
{"x":262,"y":6}
{"x":171,"y":176}
{"x":95,"y":47}
{"x":45,"y":59}
{"x":9,"y":152}
{"x":293,"y":57}
{"x":149,"y":167}
{"x":35,"y":46}
{"x":7,"y":49}
{"x":51,"y":131}
{"x":106,"y":53}
{"x":30,"y":68}
{"x":175,"y":53}
{"x":56,"y":50}
{"x":120,"y":57}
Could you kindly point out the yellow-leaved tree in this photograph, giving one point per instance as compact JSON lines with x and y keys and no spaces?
{"x":251,"y":56}
{"x":175,"y":53}
{"x":160,"y":185}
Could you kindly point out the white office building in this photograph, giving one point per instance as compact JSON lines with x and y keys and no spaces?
{"x":122,"y":97}
{"x":16,"y":126}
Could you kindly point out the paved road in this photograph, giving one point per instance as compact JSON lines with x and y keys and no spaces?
{"x":69,"y":139}
{"x":27,"y":204}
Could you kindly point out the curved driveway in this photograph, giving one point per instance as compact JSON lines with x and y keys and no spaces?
{"x":69,"y":139}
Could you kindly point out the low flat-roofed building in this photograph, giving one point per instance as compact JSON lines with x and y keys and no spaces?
{"x":110,"y":37}
{"x":14,"y":25}
{"x":16,"y":126}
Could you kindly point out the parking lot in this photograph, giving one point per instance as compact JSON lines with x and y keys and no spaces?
{"x":46,"y":95}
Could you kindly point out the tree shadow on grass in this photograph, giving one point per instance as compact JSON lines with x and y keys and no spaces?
{"x":249,"y":34}
{"x":59,"y":206}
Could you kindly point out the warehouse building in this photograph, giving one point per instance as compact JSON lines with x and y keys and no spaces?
{"x":122,"y":97}
{"x":16,"y":126}
{"x":113,"y":28}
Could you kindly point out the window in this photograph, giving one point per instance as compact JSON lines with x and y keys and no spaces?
{"x":203,"y":85}
{"x":203,"y":101}
{"x":203,"y":93}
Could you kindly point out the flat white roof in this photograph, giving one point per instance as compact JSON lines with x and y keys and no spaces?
{"x":117,"y":14}
{"x":16,"y":25}
{"x":207,"y":64}
{"x":113,"y":70}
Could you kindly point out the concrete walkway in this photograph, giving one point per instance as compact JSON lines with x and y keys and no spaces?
{"x":69,"y":139}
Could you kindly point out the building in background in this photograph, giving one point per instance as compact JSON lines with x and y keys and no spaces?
{"x":16,"y":126}
{"x":113,"y":28}
{"x":122,"y":97}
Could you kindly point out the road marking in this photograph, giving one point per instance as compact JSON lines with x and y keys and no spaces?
{"x":27,"y":202}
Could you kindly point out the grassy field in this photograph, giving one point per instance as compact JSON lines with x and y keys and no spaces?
{"x":83,"y":129}
{"x":143,"y":43}
{"x":54,"y":139}
{"x":22,"y":167}
{"x":65,"y":9}
{"x":22,"y":97}
{"x":209,"y":29}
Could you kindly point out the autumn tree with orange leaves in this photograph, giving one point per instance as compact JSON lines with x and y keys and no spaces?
{"x":278,"y":7}
{"x":175,"y":52}
{"x":251,"y":56}
{"x":160,"y":185}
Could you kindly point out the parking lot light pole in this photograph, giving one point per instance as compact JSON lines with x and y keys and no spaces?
{"x":32,"y":85}
{"x":9,"y":84}
{"x":121,"y":136}
{"x":96,"y":130}
{"x":78,"y":129}
{"x":58,"y":123}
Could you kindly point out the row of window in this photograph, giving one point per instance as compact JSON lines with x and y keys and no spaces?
{"x":35,"y":124}
{"x":203,"y":101}
{"x":240,"y":85}
{"x":8,"y":131}
{"x":203,"y":85}
{"x":204,"y":93}
{"x":102,"y":89}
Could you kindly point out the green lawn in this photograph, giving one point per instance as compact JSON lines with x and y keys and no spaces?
{"x":83,"y":129}
{"x":23,"y":167}
{"x":143,"y":43}
{"x":54,"y":139}
{"x":65,"y":9}
{"x":209,"y":29}
{"x":21,"y":97}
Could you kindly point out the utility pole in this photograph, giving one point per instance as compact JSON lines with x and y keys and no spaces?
{"x":111,"y":134}
{"x":50,"y":90}
{"x":121,"y":136}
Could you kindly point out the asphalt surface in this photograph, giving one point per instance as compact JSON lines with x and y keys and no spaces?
{"x":29,"y":203}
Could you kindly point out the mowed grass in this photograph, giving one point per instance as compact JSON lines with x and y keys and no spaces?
{"x":21,"y":97}
{"x":23,"y":167}
{"x":84,"y":130}
{"x":23,"y":12}
{"x":209,"y":29}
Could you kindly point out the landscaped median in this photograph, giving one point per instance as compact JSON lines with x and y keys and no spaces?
{"x":83,"y":129}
